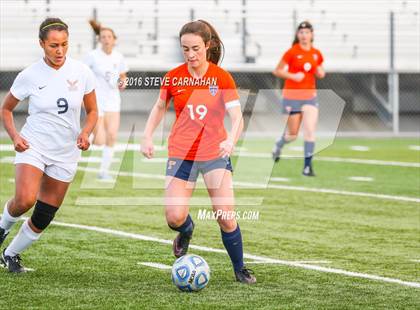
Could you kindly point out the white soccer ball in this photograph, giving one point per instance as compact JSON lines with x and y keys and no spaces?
{"x":190,"y":273}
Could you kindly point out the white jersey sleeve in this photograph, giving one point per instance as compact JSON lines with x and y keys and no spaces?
{"x":90,"y":81}
{"x":123,"y":65}
{"x":88,"y":60}
{"x":21,"y":86}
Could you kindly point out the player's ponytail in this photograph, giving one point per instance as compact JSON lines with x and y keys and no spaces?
{"x":51,"y":23}
{"x":216,"y":49}
{"x":97,"y":28}
{"x":303,"y":25}
{"x":209,"y":35}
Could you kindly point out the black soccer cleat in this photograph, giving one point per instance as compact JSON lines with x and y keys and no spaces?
{"x":276,"y":153}
{"x":182,"y":242}
{"x":308,"y":171}
{"x":245,"y":276}
{"x":3,"y":235}
{"x":12,"y":263}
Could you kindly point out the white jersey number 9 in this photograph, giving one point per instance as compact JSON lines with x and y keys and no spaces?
{"x":62,"y":105}
{"x":201,"y":110}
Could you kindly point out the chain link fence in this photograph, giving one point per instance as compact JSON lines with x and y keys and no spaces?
{"x":363,"y":93}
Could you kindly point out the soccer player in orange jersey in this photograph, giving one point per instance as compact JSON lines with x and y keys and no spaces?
{"x":202,"y":93}
{"x":300,"y":66}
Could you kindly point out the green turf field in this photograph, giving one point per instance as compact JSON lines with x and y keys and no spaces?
{"x":369,"y":225}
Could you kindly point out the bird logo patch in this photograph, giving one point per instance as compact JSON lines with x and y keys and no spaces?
{"x":72,"y":85}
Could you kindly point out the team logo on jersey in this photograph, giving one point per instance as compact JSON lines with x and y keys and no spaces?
{"x":171,"y":163}
{"x":315,"y":57}
{"x":213,"y":89}
{"x":307,"y":66}
{"x":72,"y":85}
{"x":299,"y":56}
{"x":108,"y":76}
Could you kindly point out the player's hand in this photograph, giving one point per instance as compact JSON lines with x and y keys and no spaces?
{"x":122,"y":84}
{"x":83,"y":141}
{"x":298,"y":77}
{"x":147,"y":148}
{"x":21,"y":145}
{"x":226,"y":148}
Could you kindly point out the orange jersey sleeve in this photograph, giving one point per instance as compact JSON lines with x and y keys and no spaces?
{"x":287,"y":56}
{"x":165,"y":89}
{"x":229,"y":91}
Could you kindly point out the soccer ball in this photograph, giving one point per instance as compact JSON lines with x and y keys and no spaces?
{"x":190,"y":273}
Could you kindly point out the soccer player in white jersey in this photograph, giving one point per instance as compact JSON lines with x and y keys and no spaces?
{"x":110,"y":71}
{"x":49,"y":145}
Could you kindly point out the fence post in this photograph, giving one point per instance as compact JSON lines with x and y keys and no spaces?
{"x":393,"y":78}
{"x":294,"y":20}
{"x":393,"y":99}
{"x":244,"y":30}
{"x":94,"y":17}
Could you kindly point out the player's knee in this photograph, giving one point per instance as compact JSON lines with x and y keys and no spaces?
{"x":227,"y":225}
{"x":43,"y":215}
{"x":98,"y":142}
{"x":175,"y":219}
{"x":309,"y":137}
{"x":290,"y":137}
{"x":111,"y":139}
{"x":23,"y":203}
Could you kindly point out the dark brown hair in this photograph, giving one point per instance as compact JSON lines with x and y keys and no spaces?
{"x":303,"y":25}
{"x":97,"y":28}
{"x":51,"y":23}
{"x":209,"y":35}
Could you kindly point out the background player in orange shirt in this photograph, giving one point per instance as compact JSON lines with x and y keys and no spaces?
{"x":198,"y":141}
{"x":300,"y":66}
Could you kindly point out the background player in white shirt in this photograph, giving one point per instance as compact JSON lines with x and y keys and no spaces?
{"x":50,"y":143}
{"x":110,"y":71}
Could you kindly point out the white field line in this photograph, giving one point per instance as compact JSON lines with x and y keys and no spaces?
{"x":274,"y":179}
{"x":361,"y":179}
{"x":274,"y":186}
{"x":414,"y":147}
{"x":155,"y":265}
{"x":337,"y":159}
{"x":368,"y":161}
{"x":359,"y":148}
{"x":295,"y":261}
{"x":332,"y":191}
{"x":415,"y":260}
{"x":244,"y":153}
{"x":295,"y":148}
{"x":247,"y":256}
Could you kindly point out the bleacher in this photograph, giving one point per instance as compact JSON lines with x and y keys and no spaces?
{"x":353,"y":35}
